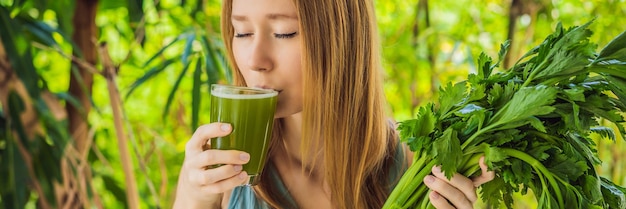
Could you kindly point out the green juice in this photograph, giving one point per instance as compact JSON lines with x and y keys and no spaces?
{"x":251,"y":114}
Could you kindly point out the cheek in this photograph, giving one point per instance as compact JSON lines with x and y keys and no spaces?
{"x":237,"y":51}
{"x":295,"y":68}
{"x":238,"y":54}
{"x":241,"y":51}
{"x":291,"y":57}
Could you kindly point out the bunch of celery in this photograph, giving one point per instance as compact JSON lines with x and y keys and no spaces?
{"x":532,"y":123}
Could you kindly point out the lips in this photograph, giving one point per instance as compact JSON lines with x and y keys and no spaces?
{"x":267,"y":87}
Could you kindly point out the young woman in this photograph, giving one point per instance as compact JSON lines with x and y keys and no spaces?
{"x":333,"y":145}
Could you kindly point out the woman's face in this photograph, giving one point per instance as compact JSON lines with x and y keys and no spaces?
{"x":266,"y":46}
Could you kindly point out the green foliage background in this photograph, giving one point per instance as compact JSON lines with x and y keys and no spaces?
{"x":180,"y":35}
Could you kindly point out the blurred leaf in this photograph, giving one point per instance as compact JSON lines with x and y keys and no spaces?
{"x":14,"y":189}
{"x":5,"y":155}
{"x":210,"y":61}
{"x":188,"y":48}
{"x":18,"y":3}
{"x":56,"y":131}
{"x":196,"y":98}
{"x":72,"y":100}
{"x":40,"y":5}
{"x":135,"y":16}
{"x":198,"y":6}
{"x":16,"y":193}
{"x":135,"y":10}
{"x":182,"y":36}
{"x":4,"y":131}
{"x":16,"y":105}
{"x":18,"y":51}
{"x":43,"y":32}
{"x":170,"y":98}
{"x":64,"y":10}
{"x":148,"y":75}
{"x":220,"y":60}
{"x":47,"y":169}
{"x":114,"y":187}
{"x":112,"y":4}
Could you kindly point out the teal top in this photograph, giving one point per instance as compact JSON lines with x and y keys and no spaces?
{"x":244,"y":197}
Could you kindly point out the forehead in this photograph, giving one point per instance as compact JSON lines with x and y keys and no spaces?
{"x":272,"y":9}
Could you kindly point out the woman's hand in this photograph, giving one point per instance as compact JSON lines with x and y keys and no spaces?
{"x":458,"y":192}
{"x":201,"y":185}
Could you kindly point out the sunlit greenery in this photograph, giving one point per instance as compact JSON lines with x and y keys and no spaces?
{"x":415,"y":64}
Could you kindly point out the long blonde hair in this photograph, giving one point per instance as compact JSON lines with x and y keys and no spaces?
{"x":343,"y":108}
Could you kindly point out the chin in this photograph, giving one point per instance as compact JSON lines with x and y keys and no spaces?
{"x":283,"y":113}
{"x":280,"y":114}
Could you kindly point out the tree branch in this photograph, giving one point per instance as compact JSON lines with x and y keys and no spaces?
{"x":81,"y":82}
{"x":115,"y":99}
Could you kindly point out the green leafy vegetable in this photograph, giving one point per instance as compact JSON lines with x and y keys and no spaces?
{"x":532,"y":123}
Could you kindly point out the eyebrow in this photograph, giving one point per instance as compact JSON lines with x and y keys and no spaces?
{"x":272,"y":16}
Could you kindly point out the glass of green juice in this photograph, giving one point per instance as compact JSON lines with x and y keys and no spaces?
{"x":250,"y":111}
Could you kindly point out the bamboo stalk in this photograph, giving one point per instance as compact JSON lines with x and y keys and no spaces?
{"x":84,"y":171}
{"x":110,"y":73}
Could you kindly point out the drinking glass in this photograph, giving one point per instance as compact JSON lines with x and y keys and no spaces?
{"x":250,"y":111}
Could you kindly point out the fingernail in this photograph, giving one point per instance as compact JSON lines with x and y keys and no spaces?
{"x":225,"y":127}
{"x":243,"y":175}
{"x":437,"y":169}
{"x":435,"y":195}
{"x":237,"y":168}
{"x":429,"y":179}
{"x":244,"y":156}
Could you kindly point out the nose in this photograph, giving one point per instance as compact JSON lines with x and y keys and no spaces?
{"x":259,"y":58}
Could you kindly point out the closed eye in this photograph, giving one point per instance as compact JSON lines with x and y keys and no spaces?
{"x":242,"y":35}
{"x":285,"y":35}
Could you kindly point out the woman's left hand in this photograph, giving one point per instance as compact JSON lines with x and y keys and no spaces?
{"x":459,"y":191}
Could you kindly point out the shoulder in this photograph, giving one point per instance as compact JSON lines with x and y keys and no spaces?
{"x":243,"y":197}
